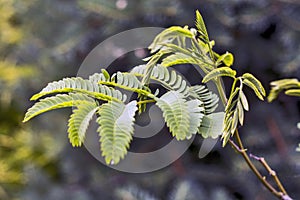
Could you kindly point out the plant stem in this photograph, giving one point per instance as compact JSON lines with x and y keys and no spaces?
{"x":282,"y":194}
{"x":146,"y":101}
{"x":221,"y":91}
{"x":139,"y":91}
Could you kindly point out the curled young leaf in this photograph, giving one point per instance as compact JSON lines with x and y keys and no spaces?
{"x":227,"y":58}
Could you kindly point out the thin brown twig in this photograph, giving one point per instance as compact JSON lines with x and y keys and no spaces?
{"x":242,"y":151}
{"x":270,"y":170}
{"x":240,"y":148}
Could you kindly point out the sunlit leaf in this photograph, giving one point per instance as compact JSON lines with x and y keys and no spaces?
{"x":79,"y":122}
{"x":255,"y":85}
{"x":226,"y":58}
{"x":222,"y":71}
{"x":115,"y":129}
{"x":56,"y":102}
{"x":293,"y":92}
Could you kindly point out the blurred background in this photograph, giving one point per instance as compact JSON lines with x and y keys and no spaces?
{"x":46,"y":40}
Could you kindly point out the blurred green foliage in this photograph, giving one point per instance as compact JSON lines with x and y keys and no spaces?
{"x":19,"y":147}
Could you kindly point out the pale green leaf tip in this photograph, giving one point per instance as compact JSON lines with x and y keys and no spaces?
{"x":34,"y":97}
{"x":26,"y":118}
{"x":261,"y":97}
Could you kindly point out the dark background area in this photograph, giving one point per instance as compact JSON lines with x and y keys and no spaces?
{"x":43,"y":41}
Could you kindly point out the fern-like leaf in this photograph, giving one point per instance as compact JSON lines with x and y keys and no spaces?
{"x":127,"y":80}
{"x":116,"y":129}
{"x":79,"y":122}
{"x":179,"y":58}
{"x":176,"y":114}
{"x":212,"y":125}
{"x":195,"y":111}
{"x":201,"y":25}
{"x":168,"y":36}
{"x":55,"y":102}
{"x":77,"y":84}
{"x":169,"y":80}
{"x":209,"y":99}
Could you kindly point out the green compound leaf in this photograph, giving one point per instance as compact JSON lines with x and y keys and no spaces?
{"x":255,"y":85}
{"x":209,"y":99}
{"x":127,"y":80}
{"x":168,"y":79}
{"x":116,"y":129}
{"x":79,"y":85}
{"x":179,"y":58}
{"x":222,"y":71}
{"x":55,"y":102}
{"x":200,"y":25}
{"x":212,"y":125}
{"x":195,"y":115}
{"x":79,"y":122}
{"x":168,"y":36}
{"x":176,"y":114}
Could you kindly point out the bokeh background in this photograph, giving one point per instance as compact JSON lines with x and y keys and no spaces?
{"x":46,"y":40}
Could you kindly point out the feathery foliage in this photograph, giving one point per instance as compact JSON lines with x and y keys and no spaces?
{"x":79,"y":122}
{"x":186,"y":109}
{"x":169,"y":80}
{"x":209,"y":99}
{"x":55,"y":102}
{"x":115,"y":129}
{"x":182,"y":117}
